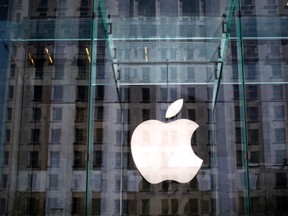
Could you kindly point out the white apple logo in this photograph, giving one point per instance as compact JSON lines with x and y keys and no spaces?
{"x":162,"y":151}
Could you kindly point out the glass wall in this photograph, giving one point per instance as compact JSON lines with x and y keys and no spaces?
{"x":78,"y":78}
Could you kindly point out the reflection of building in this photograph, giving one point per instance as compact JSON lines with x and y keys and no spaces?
{"x":44,"y":147}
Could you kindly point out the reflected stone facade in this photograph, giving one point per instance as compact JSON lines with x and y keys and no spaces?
{"x":79,"y":77}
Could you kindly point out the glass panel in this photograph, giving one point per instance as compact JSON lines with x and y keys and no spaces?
{"x":78,"y":79}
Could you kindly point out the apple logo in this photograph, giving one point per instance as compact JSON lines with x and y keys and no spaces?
{"x":162,"y":151}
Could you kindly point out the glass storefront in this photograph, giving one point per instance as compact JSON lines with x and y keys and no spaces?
{"x":79,"y":76}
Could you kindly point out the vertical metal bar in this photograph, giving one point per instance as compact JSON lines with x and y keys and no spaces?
{"x":243,"y":114}
{"x":91,"y":107}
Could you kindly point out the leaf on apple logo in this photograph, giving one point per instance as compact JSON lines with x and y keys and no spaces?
{"x":174,"y":108}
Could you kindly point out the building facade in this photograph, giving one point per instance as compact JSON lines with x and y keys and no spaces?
{"x":79,"y":76}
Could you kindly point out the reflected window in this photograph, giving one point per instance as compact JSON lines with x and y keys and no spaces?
{"x":84,"y":3}
{"x":78,"y":158}
{"x":163,"y":74}
{"x":235,"y":92}
{"x":251,"y":71}
{"x":81,"y":114}
{"x":145,"y":94}
{"x":271,"y":2}
{"x":173,"y":74}
{"x":238,"y":138}
{"x":125,"y":92}
{"x":6,"y":158}
{"x":96,"y":206}
{"x":100,"y":71}
{"x":254,"y":157}
{"x":209,"y":116}
{"x":146,"y":74}
{"x":33,"y":158}
{"x":239,"y":158}
{"x":9,"y":114}
{"x":173,"y":94}
{"x":10,"y":92}
{"x":39,"y":68}
{"x":255,"y":203}
{"x":192,"y":114}
{"x":118,"y":116}
{"x":253,"y":136}
{"x":163,"y":94}
{"x":36,"y":114}
{"x":168,"y":7}
{"x":77,"y":207}
{"x":7,"y":135}
{"x":37,"y":93}
{"x":280,"y":157}
{"x":164,"y":206}
{"x":99,"y":113}
{"x":252,"y":113}
{"x":53,"y":181}
{"x":190,"y":73}
{"x":191,"y":94}
{"x":97,"y":159}
{"x":126,"y":116}
{"x":2,"y":205}
{"x":35,"y":135}
{"x":126,"y":137}
{"x":4,"y":183}
{"x":146,"y":7}
{"x":58,"y":70}
{"x":12,"y":70}
{"x":99,"y":92}
{"x":82,"y":93}
{"x":117,"y":166}
{"x":174,"y":206}
{"x":32,"y":181}
{"x":145,"y":206}
{"x":190,"y":7}
{"x":53,"y":203}
{"x":164,"y":55}
{"x":209,"y":94}
{"x":276,"y":71}
{"x":237,"y":113}
{"x":129,"y":207}
{"x":82,"y":68}
{"x":190,"y":51}
{"x":252,"y":92}
{"x":193,"y":184}
{"x":173,"y":52}
{"x":57,"y":114}
{"x":126,"y":75}
{"x":79,"y":135}
{"x":54,"y":158}
{"x":281,"y":203}
{"x":55,"y":135}
{"x":278,"y":93}
{"x":280,"y":179}
{"x":191,"y":206}
{"x":279,"y":113}
{"x":279,"y":135}
{"x":145,"y":114}
{"x":99,"y":135}
{"x":58,"y":93}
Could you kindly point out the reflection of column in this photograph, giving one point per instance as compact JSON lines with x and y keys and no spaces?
{"x":15,"y":141}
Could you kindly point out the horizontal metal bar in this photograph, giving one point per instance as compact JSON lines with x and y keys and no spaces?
{"x":168,"y":62}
